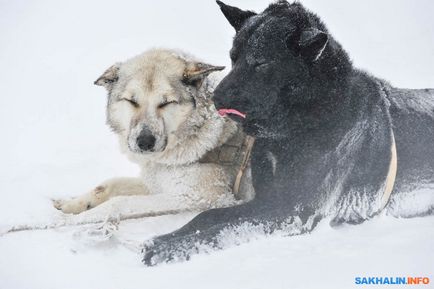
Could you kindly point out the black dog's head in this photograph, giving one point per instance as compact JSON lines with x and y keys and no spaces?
{"x":281,"y":59}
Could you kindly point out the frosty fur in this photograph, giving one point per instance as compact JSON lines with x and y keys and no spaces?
{"x":166,"y":94}
{"x":325,"y":133}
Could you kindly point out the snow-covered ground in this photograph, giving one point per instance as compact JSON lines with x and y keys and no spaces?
{"x":328,"y":258}
{"x":54,"y":143}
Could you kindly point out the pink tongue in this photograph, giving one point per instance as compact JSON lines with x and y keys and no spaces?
{"x":226,"y":111}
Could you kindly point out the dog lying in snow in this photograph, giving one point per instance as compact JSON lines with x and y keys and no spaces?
{"x":331,"y":140}
{"x":160,"y":108}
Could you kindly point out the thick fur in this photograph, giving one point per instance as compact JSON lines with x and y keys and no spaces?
{"x":324,"y":132}
{"x":163,"y":97}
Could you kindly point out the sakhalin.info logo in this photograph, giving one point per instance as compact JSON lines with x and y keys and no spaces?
{"x":391,"y":280}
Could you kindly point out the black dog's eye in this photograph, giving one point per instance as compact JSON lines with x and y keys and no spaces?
{"x":262,"y":66}
{"x":131,"y":101}
{"x":166,"y":103}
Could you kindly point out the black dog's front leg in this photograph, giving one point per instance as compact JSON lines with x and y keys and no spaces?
{"x":180,"y":245}
{"x":201,"y":232}
{"x":206,"y":232}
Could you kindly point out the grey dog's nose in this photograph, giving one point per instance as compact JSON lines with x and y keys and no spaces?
{"x":146,"y":140}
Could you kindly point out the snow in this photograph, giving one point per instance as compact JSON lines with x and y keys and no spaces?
{"x":326,"y":258}
{"x":54,"y":144}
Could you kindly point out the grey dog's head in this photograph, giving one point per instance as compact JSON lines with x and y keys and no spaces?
{"x":150,"y":96}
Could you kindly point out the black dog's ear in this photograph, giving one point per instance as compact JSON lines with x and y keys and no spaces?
{"x":195,"y":73}
{"x":312,"y":43}
{"x":234,"y":15}
{"x":110,"y":76}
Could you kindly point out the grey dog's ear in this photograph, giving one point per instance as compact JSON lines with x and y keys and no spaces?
{"x":312,"y":43}
{"x":110,"y":76}
{"x":234,"y":15}
{"x":196,"y":72}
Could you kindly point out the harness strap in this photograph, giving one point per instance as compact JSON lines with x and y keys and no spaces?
{"x":248,"y":142}
{"x":234,"y":154}
{"x":391,"y":175}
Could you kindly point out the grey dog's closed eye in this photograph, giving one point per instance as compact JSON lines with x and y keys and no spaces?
{"x":132,"y":102}
{"x":166,"y":103}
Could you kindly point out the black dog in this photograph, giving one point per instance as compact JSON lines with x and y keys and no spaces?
{"x":328,"y":136}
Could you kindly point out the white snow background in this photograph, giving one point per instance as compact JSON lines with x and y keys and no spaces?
{"x":54,"y":143}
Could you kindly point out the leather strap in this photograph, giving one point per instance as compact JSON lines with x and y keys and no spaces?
{"x":249,"y":142}
{"x":391,"y":175}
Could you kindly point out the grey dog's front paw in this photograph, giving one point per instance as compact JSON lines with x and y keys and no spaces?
{"x":72,"y":206}
{"x":57,"y":203}
{"x":82,"y":203}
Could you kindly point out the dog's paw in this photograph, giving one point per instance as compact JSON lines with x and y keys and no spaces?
{"x":155,"y":254}
{"x":57,"y":203}
{"x":73,"y":206}
{"x":168,"y":249}
{"x":82,"y":203}
{"x":180,"y":247}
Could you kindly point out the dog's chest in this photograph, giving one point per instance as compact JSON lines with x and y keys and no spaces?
{"x":230,"y":154}
{"x":168,"y":179}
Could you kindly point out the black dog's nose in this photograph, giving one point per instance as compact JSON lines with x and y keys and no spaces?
{"x":146,"y":140}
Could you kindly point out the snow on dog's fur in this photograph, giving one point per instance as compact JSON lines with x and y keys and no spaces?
{"x":159,"y":106}
{"x":331,"y":141}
